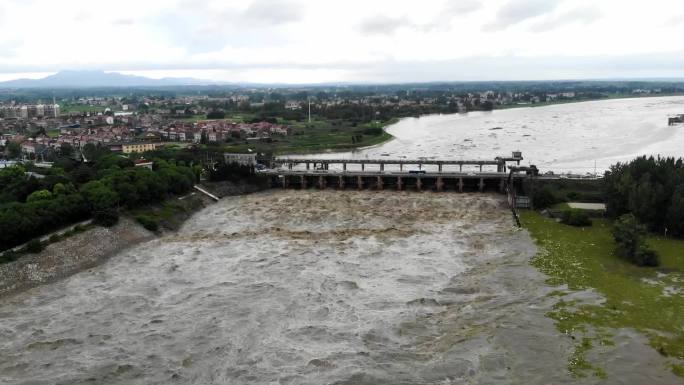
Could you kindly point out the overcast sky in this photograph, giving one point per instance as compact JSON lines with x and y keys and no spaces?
{"x":310,"y":41}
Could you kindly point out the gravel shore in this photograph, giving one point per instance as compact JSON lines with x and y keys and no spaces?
{"x":71,"y":255}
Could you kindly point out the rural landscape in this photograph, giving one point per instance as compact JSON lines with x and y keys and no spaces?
{"x":384,"y":212}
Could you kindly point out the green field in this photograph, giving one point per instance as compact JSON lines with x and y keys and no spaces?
{"x":649,"y":300}
{"x":67,"y":108}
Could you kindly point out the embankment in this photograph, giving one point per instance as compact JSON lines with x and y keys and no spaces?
{"x":95,"y":245}
{"x":69,"y":256}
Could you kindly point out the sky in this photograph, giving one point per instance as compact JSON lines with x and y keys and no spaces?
{"x":355,"y":41}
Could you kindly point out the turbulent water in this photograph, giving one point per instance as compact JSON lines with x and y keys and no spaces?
{"x":299,"y":288}
{"x":573,"y":137}
{"x":318,"y":287}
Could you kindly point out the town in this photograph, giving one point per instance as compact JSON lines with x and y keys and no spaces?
{"x":37,"y":124}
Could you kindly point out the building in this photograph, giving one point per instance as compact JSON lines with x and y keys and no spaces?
{"x":143,"y":163}
{"x":241,"y":159}
{"x":30,"y":111}
{"x":292,"y":105}
{"x":135,"y":147}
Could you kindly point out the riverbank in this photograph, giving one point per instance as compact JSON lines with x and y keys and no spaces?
{"x":78,"y":252}
{"x":573,"y":101}
{"x":601,"y":298}
{"x":87,"y":248}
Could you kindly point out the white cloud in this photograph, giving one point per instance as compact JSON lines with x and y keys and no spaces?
{"x":518,"y":11}
{"x":325,"y":40}
{"x":581,"y":15}
{"x":383,"y":25}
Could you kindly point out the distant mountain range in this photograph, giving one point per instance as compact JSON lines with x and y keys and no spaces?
{"x":87,"y":79}
{"x":100,"y":79}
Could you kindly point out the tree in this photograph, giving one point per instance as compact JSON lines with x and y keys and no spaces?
{"x":39,"y":195}
{"x":543,"y":198}
{"x":216,"y":115}
{"x":628,"y":235}
{"x":675,"y":213}
{"x":487,"y":105}
{"x":650,"y":188}
{"x":13,"y":150}
{"x":65,"y":149}
{"x":99,"y":196}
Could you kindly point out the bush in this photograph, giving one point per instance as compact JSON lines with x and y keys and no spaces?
{"x":106,"y":218}
{"x":374,"y":131}
{"x":646,"y":257}
{"x":543,"y":198}
{"x":573,"y":195}
{"x":575,"y":217}
{"x":628,"y":235}
{"x":34,"y":246}
{"x":8,"y":256}
{"x":148,"y":222}
{"x":216,"y":115}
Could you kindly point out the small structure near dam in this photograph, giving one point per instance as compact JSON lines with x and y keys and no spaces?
{"x":676,"y":120}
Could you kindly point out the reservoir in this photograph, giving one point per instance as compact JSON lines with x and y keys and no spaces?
{"x":573,"y":137}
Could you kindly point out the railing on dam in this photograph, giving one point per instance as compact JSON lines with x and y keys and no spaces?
{"x":291,"y":163}
{"x":380,"y":173}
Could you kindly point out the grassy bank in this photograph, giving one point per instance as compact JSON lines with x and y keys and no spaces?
{"x":319,"y":136}
{"x":648,"y":300}
{"x":169,"y":214}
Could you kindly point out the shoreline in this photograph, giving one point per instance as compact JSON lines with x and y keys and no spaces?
{"x":70,"y":256}
{"x":94,"y":246}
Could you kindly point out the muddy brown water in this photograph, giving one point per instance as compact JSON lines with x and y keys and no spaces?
{"x":313,"y":287}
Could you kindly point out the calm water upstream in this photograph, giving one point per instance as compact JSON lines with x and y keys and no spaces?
{"x":561,"y":138}
{"x":350,"y":287}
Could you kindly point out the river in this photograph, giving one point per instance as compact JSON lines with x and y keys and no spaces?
{"x":573,"y":137}
{"x":330,"y":287}
{"x":319,"y":287}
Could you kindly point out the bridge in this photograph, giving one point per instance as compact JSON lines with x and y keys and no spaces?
{"x":324,"y":164}
{"x":379,"y":174}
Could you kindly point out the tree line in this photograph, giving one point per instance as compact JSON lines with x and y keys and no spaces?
{"x":646,"y":194}
{"x":76,"y":191}
{"x":652,"y":189}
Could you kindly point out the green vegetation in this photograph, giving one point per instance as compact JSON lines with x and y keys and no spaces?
{"x":646,"y":299}
{"x":169,"y":214}
{"x":650,"y":188}
{"x":34,"y":246}
{"x":148,"y":221}
{"x":67,"y":108}
{"x":629,"y":237}
{"x":546,"y":193}
{"x":318,"y":136}
{"x":73,"y":192}
{"x":575,"y":217}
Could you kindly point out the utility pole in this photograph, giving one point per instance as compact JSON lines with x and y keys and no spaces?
{"x":309,"y":98}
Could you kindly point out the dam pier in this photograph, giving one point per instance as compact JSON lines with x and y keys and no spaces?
{"x":422,"y":174}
